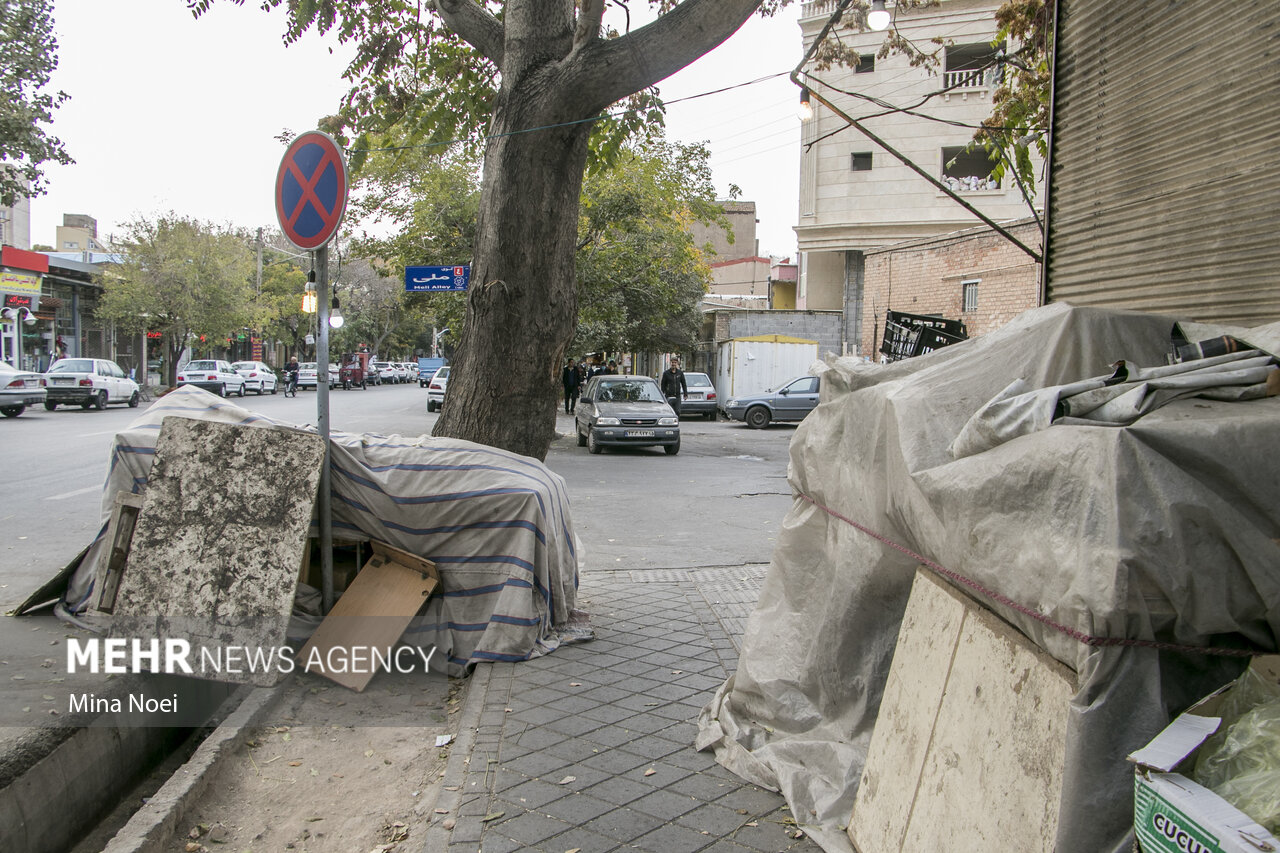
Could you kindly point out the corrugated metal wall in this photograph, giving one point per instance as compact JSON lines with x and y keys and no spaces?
{"x":1165,"y":184}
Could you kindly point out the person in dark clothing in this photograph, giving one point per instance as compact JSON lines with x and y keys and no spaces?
{"x":291,"y":377}
{"x":612,"y":369}
{"x":673,"y":385}
{"x":571,"y":379}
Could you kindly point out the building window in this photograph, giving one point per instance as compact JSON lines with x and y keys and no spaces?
{"x":70,"y":244}
{"x":862,"y":161}
{"x":970,"y":289}
{"x":968,"y":171}
{"x":972,"y":66}
{"x":866,"y":63}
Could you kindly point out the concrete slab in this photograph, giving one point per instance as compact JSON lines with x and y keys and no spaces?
{"x":969,"y":743}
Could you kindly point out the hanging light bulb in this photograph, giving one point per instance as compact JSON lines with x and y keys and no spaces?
{"x":335,"y":315}
{"x":309,"y":295}
{"x":878,"y":18}
{"x":805,"y":110}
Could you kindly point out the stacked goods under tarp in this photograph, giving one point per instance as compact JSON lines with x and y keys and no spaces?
{"x":1162,"y":530}
{"x":496,"y":524}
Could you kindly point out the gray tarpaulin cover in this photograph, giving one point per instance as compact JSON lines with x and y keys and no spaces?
{"x":497,"y":525}
{"x":1165,"y":529}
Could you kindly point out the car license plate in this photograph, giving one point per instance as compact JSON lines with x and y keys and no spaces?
{"x":59,"y":381}
{"x":639,"y":433}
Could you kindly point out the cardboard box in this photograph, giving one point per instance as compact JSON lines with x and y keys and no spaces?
{"x":1172,"y":814}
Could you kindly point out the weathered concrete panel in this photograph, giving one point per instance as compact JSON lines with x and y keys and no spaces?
{"x":220,"y":538}
{"x":968,"y":749}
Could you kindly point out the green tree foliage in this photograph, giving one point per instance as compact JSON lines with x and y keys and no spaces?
{"x":280,"y":302}
{"x":27,"y":59}
{"x":640,"y":276}
{"x":1019,"y":117}
{"x":185,"y":278}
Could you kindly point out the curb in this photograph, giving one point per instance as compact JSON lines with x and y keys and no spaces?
{"x":155,"y":822}
{"x":437,"y":837}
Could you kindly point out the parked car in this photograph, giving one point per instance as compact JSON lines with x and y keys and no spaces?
{"x":213,"y":375}
{"x":257,"y":376}
{"x":386,"y":372}
{"x":402,"y":371}
{"x":88,"y":383}
{"x":411,"y":371}
{"x":791,"y":402}
{"x":436,"y":387}
{"x":307,"y":375}
{"x":625,"y":411}
{"x":19,"y":389}
{"x":702,"y":396}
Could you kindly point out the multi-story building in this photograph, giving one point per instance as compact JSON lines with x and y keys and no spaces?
{"x":857,"y":195}
{"x":78,"y":233}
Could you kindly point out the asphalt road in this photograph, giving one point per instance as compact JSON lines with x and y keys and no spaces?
{"x":718,"y":503}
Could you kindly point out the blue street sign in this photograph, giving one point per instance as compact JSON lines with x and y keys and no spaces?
{"x":435,"y":279}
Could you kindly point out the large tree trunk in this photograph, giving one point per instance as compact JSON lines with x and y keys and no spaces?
{"x":522,"y":308}
{"x":556,"y":74}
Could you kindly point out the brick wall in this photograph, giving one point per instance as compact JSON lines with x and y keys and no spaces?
{"x":927,"y":277}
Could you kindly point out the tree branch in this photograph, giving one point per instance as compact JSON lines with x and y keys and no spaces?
{"x":589,"y":18}
{"x":611,"y":69}
{"x":475,"y":25}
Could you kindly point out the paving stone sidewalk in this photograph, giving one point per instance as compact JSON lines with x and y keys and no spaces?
{"x":590,"y":748}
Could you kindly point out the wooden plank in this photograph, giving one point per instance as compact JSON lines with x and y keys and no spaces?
{"x":118,"y":538}
{"x":372,"y":614}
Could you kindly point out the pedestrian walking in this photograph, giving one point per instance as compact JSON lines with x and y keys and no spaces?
{"x":571,"y":379}
{"x":674,"y":388}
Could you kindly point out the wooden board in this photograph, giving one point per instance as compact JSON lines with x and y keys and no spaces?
{"x":119,"y":538}
{"x":372,"y":614}
{"x":970,"y":739}
{"x":219,"y":540}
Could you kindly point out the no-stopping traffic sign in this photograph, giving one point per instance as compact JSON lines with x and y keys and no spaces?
{"x":311,"y":190}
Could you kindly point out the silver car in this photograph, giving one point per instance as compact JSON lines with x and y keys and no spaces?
{"x":625,"y":411}
{"x":791,"y":402}
{"x":19,"y":389}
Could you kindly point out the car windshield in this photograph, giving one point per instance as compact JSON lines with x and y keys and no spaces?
{"x":442,"y":373}
{"x":73,"y":365}
{"x":202,"y":365}
{"x":629,"y":391}
{"x":696,"y":380}
{"x":307,"y":365}
{"x":245,"y":365}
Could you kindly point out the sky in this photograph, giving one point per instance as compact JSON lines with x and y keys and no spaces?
{"x":170,"y":113}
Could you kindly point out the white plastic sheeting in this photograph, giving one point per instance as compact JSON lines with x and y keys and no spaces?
{"x":497,"y":525}
{"x":1162,"y":530}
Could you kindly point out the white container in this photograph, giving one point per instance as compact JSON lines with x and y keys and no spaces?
{"x":761,"y":363}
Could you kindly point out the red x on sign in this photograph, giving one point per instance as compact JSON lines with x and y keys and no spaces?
{"x":311,"y":190}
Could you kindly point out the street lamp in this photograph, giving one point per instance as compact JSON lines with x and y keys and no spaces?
{"x":335,"y":315}
{"x":805,"y":110}
{"x":878,"y":18}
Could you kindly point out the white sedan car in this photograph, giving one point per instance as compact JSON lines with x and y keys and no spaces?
{"x":88,"y":383}
{"x":19,"y":389}
{"x":258,"y":378}
{"x":212,"y":375}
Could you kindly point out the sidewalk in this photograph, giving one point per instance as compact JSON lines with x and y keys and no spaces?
{"x":590,"y":748}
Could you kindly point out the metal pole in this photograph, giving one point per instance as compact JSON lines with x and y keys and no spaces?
{"x":322,"y":424}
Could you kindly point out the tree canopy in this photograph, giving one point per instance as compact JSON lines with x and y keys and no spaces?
{"x":185,"y":278}
{"x":29,"y":57}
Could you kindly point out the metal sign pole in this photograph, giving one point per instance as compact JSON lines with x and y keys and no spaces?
{"x":322,"y":424}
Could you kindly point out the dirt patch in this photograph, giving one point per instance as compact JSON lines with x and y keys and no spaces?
{"x":332,"y":772}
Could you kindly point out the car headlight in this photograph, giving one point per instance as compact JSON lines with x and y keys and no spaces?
{"x":607,"y":422}
{"x":731,"y":404}
{"x":668,"y":421}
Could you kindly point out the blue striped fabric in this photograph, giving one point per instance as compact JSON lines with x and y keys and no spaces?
{"x":498,"y":526}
